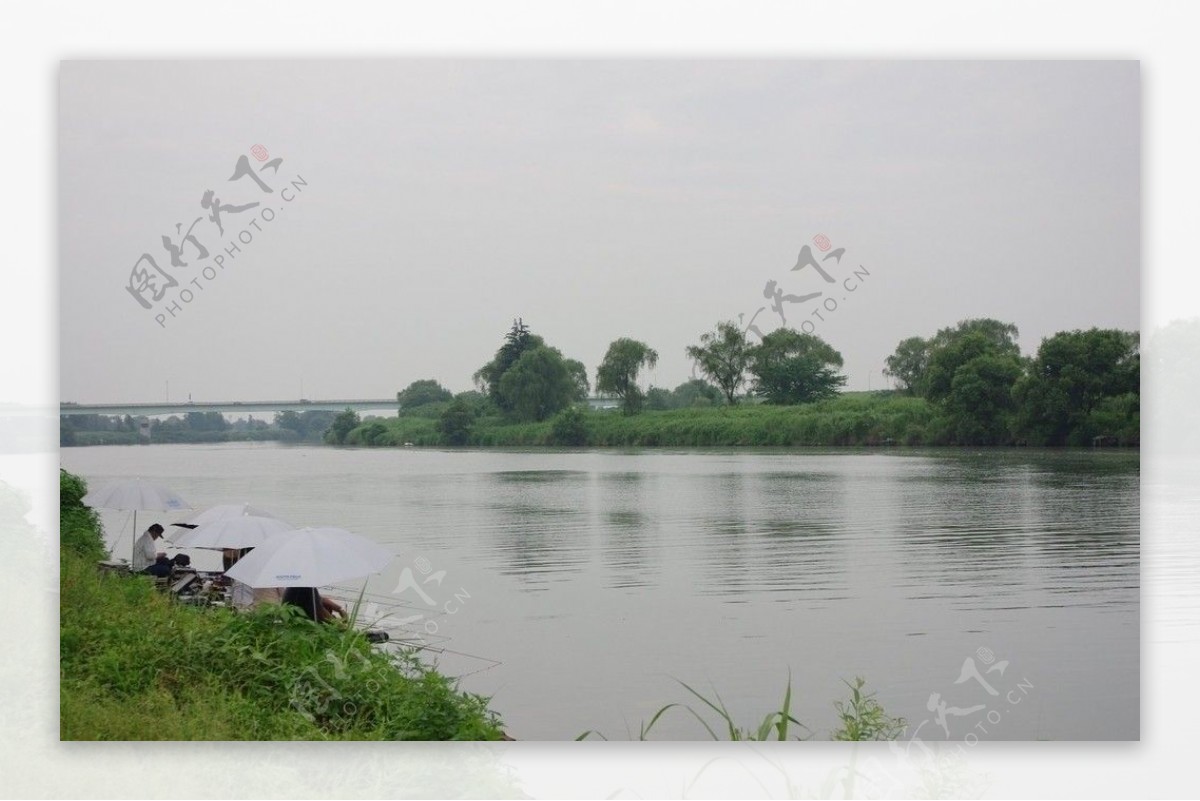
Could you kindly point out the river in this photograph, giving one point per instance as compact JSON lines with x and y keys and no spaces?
{"x":988,"y":594}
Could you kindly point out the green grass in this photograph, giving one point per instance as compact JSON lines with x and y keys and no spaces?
{"x":395,"y":431}
{"x":774,"y":725}
{"x":850,"y":419}
{"x":134,"y":664}
{"x":862,"y":718}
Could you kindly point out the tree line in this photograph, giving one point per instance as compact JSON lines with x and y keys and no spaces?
{"x":1080,"y":388}
{"x":97,"y":429}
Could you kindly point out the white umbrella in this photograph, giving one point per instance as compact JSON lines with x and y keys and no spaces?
{"x":245,"y":531}
{"x":310,"y":557}
{"x":226,"y":511}
{"x":136,"y":494}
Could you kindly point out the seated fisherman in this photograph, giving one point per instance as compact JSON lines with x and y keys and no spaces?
{"x":151,"y":561}
{"x":145,"y":550}
{"x":315,"y":606}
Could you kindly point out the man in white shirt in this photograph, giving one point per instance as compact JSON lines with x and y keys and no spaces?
{"x":145,"y":550}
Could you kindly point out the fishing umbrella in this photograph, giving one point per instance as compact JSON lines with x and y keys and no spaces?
{"x":244,"y":531}
{"x":214,"y":514}
{"x":310,"y":557}
{"x":224,"y":511}
{"x":136,"y":495}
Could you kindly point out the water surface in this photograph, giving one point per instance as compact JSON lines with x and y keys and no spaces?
{"x":997,"y":587}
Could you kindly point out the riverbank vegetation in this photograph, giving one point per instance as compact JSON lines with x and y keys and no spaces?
{"x":136,"y":665}
{"x":858,"y":419}
{"x":193,"y":427}
{"x":966,"y":384}
{"x":860,"y":718}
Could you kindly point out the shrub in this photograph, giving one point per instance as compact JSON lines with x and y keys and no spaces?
{"x":456,"y":423}
{"x":79,"y":525}
{"x":863,"y":718}
{"x":569,"y":427}
{"x":374,"y":433}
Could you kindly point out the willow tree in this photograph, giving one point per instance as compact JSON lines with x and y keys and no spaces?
{"x":723,"y":356}
{"x":619,"y":370}
{"x":540,"y":384}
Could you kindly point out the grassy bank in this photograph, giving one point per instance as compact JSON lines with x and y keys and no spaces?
{"x":136,"y":665}
{"x":851,"y":419}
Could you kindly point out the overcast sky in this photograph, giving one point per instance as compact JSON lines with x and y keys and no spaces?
{"x":421,"y":205}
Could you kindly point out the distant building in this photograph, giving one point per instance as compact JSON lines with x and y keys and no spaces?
{"x":601,"y":402}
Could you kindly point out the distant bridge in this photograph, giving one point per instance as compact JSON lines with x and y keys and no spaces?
{"x":247,"y":407}
{"x":227,"y":407}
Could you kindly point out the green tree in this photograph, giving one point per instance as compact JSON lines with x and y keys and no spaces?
{"x":314,"y":422}
{"x":516,"y":342}
{"x":619,"y":370}
{"x":1001,"y":336}
{"x":306,"y":425}
{"x":421,"y":393}
{"x":291,"y":421}
{"x":159,"y":424}
{"x":956,"y":351}
{"x":695,"y":393}
{"x":341,"y":427}
{"x":579,"y":378}
{"x":206,"y":421}
{"x":979,"y":404}
{"x":1072,"y":376}
{"x":724,"y":356}
{"x":659,"y":399}
{"x":545,"y":382}
{"x":908,"y":365}
{"x":971,"y":374}
{"x":791,"y":368}
{"x":457,"y":422}
{"x":374,"y":433}
{"x":968,"y":370}
{"x":538,"y":385}
{"x":477,"y":402}
{"x":1118,"y":418}
{"x":925,"y":368}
